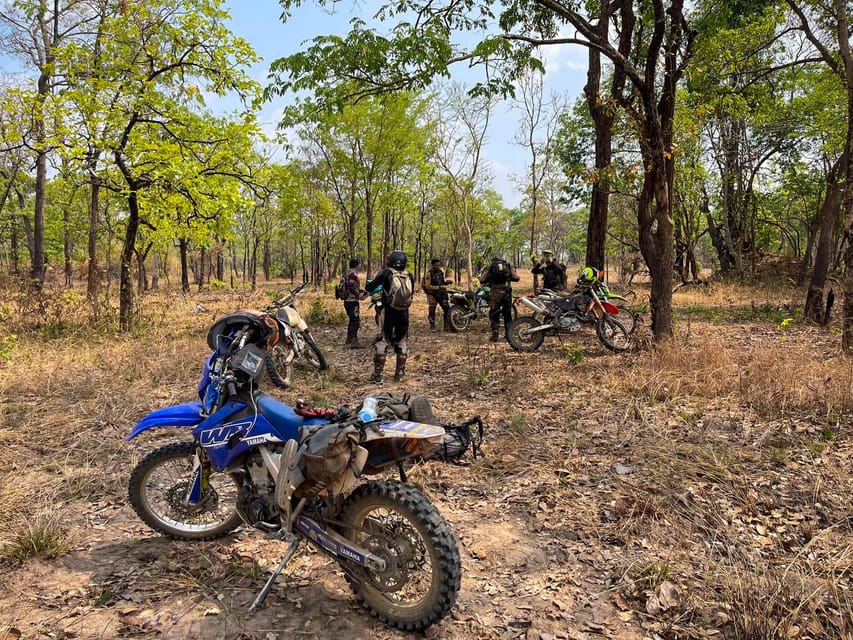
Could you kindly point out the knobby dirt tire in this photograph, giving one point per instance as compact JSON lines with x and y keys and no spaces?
{"x":319,"y":359}
{"x":279,"y":370}
{"x":458,"y":319}
{"x":627,"y":316}
{"x":438,"y":541}
{"x":613,"y":334}
{"x":518,"y":340}
{"x":141,"y":501}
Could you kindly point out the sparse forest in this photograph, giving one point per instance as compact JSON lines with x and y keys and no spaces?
{"x":696,"y":486}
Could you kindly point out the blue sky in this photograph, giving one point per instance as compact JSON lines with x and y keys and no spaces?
{"x":258,"y":22}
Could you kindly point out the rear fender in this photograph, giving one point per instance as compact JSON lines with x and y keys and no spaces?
{"x":187,"y":414}
{"x":397,"y":440}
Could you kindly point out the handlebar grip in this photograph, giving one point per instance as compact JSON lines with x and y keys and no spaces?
{"x":232,"y":390}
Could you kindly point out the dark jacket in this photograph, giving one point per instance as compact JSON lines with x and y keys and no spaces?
{"x":553,"y":275}
{"x":352,"y":288}
{"x":433,"y":282}
{"x":486,"y":277}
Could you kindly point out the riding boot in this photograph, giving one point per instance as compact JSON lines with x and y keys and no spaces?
{"x":378,"y":366}
{"x":400,"y":372}
{"x":350,"y":336}
{"x":494,"y":337}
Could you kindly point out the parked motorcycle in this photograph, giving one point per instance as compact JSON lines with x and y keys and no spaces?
{"x":294,"y":474}
{"x":558,"y":314}
{"x":296,"y":341}
{"x":466,"y":306}
{"x":627,"y":316}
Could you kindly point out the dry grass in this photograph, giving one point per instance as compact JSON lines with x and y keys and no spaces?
{"x":734,"y":480}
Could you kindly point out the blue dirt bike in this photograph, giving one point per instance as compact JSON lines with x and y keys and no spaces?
{"x":295,"y":475}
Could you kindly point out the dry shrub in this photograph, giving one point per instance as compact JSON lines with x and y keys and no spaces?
{"x":773,"y":377}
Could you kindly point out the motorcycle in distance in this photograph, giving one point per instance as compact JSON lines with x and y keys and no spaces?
{"x":558,"y":314}
{"x":466,"y":306}
{"x":295,"y":475}
{"x":296,"y":340}
{"x":627,"y":316}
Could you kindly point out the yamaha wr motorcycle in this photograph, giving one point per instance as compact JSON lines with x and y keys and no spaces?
{"x":296,"y":475}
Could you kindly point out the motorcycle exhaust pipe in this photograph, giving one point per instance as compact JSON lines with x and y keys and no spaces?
{"x":541,"y":327}
{"x":527,"y":302}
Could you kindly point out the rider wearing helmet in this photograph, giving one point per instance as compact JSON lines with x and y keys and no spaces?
{"x":553,"y":273}
{"x":499,"y":275}
{"x":397,"y":286}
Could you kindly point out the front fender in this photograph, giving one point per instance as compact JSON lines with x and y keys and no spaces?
{"x":187,"y":414}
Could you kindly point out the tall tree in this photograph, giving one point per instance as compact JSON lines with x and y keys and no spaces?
{"x":422,"y":48}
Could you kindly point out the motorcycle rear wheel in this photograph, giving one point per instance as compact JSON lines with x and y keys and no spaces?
{"x":518,"y":335}
{"x":459,"y":319}
{"x":159,"y":483}
{"x":398,"y":523}
{"x":279,"y":366}
{"x":613,"y":333}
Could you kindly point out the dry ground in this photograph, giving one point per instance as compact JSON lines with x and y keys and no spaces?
{"x":699,"y":490}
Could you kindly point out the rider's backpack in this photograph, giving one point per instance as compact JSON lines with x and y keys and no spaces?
{"x":341,"y":289}
{"x":499,"y":272}
{"x":400,"y":293}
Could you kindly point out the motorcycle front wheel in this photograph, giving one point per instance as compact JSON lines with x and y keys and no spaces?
{"x":519,"y":336}
{"x":459,"y":318}
{"x":396,"y":522}
{"x":157,"y":491}
{"x":627,"y":316}
{"x":279,"y":366}
{"x":312,"y":353}
{"x":613,"y":333}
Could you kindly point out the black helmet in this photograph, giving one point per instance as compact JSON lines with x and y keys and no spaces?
{"x":396,"y":260}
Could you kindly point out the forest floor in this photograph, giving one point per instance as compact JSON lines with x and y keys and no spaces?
{"x":701,"y":489}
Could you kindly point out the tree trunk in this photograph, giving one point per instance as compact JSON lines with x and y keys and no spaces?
{"x":185,"y":274}
{"x":92,"y":245}
{"x":155,"y":271}
{"x":814,"y":307}
{"x":125,"y":313}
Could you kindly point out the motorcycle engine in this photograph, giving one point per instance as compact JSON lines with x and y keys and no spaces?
{"x":256,"y":499}
{"x":570,"y":323}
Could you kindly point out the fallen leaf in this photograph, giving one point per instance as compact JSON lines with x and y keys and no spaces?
{"x":668,"y":595}
{"x":212,"y":611}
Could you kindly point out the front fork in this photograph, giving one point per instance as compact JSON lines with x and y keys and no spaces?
{"x":200,"y":477}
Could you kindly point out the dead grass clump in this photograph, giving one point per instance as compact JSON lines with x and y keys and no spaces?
{"x":772,"y":376}
{"x":40,"y":536}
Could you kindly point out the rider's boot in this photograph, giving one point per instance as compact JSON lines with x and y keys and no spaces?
{"x":400,"y":371}
{"x":494,"y":337}
{"x":378,"y":366}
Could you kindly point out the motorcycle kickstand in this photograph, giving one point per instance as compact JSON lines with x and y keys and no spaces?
{"x":262,"y":596}
{"x":402,"y":471}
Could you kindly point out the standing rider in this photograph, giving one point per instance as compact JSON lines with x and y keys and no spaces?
{"x":499,"y":275}
{"x":435,"y":286}
{"x":353,"y":295}
{"x":398,"y":287}
{"x":553,"y":274}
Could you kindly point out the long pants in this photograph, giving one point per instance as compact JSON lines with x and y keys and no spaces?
{"x":395,"y":331}
{"x":440,"y":301}
{"x":500,"y":304}
{"x":351,"y":307}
